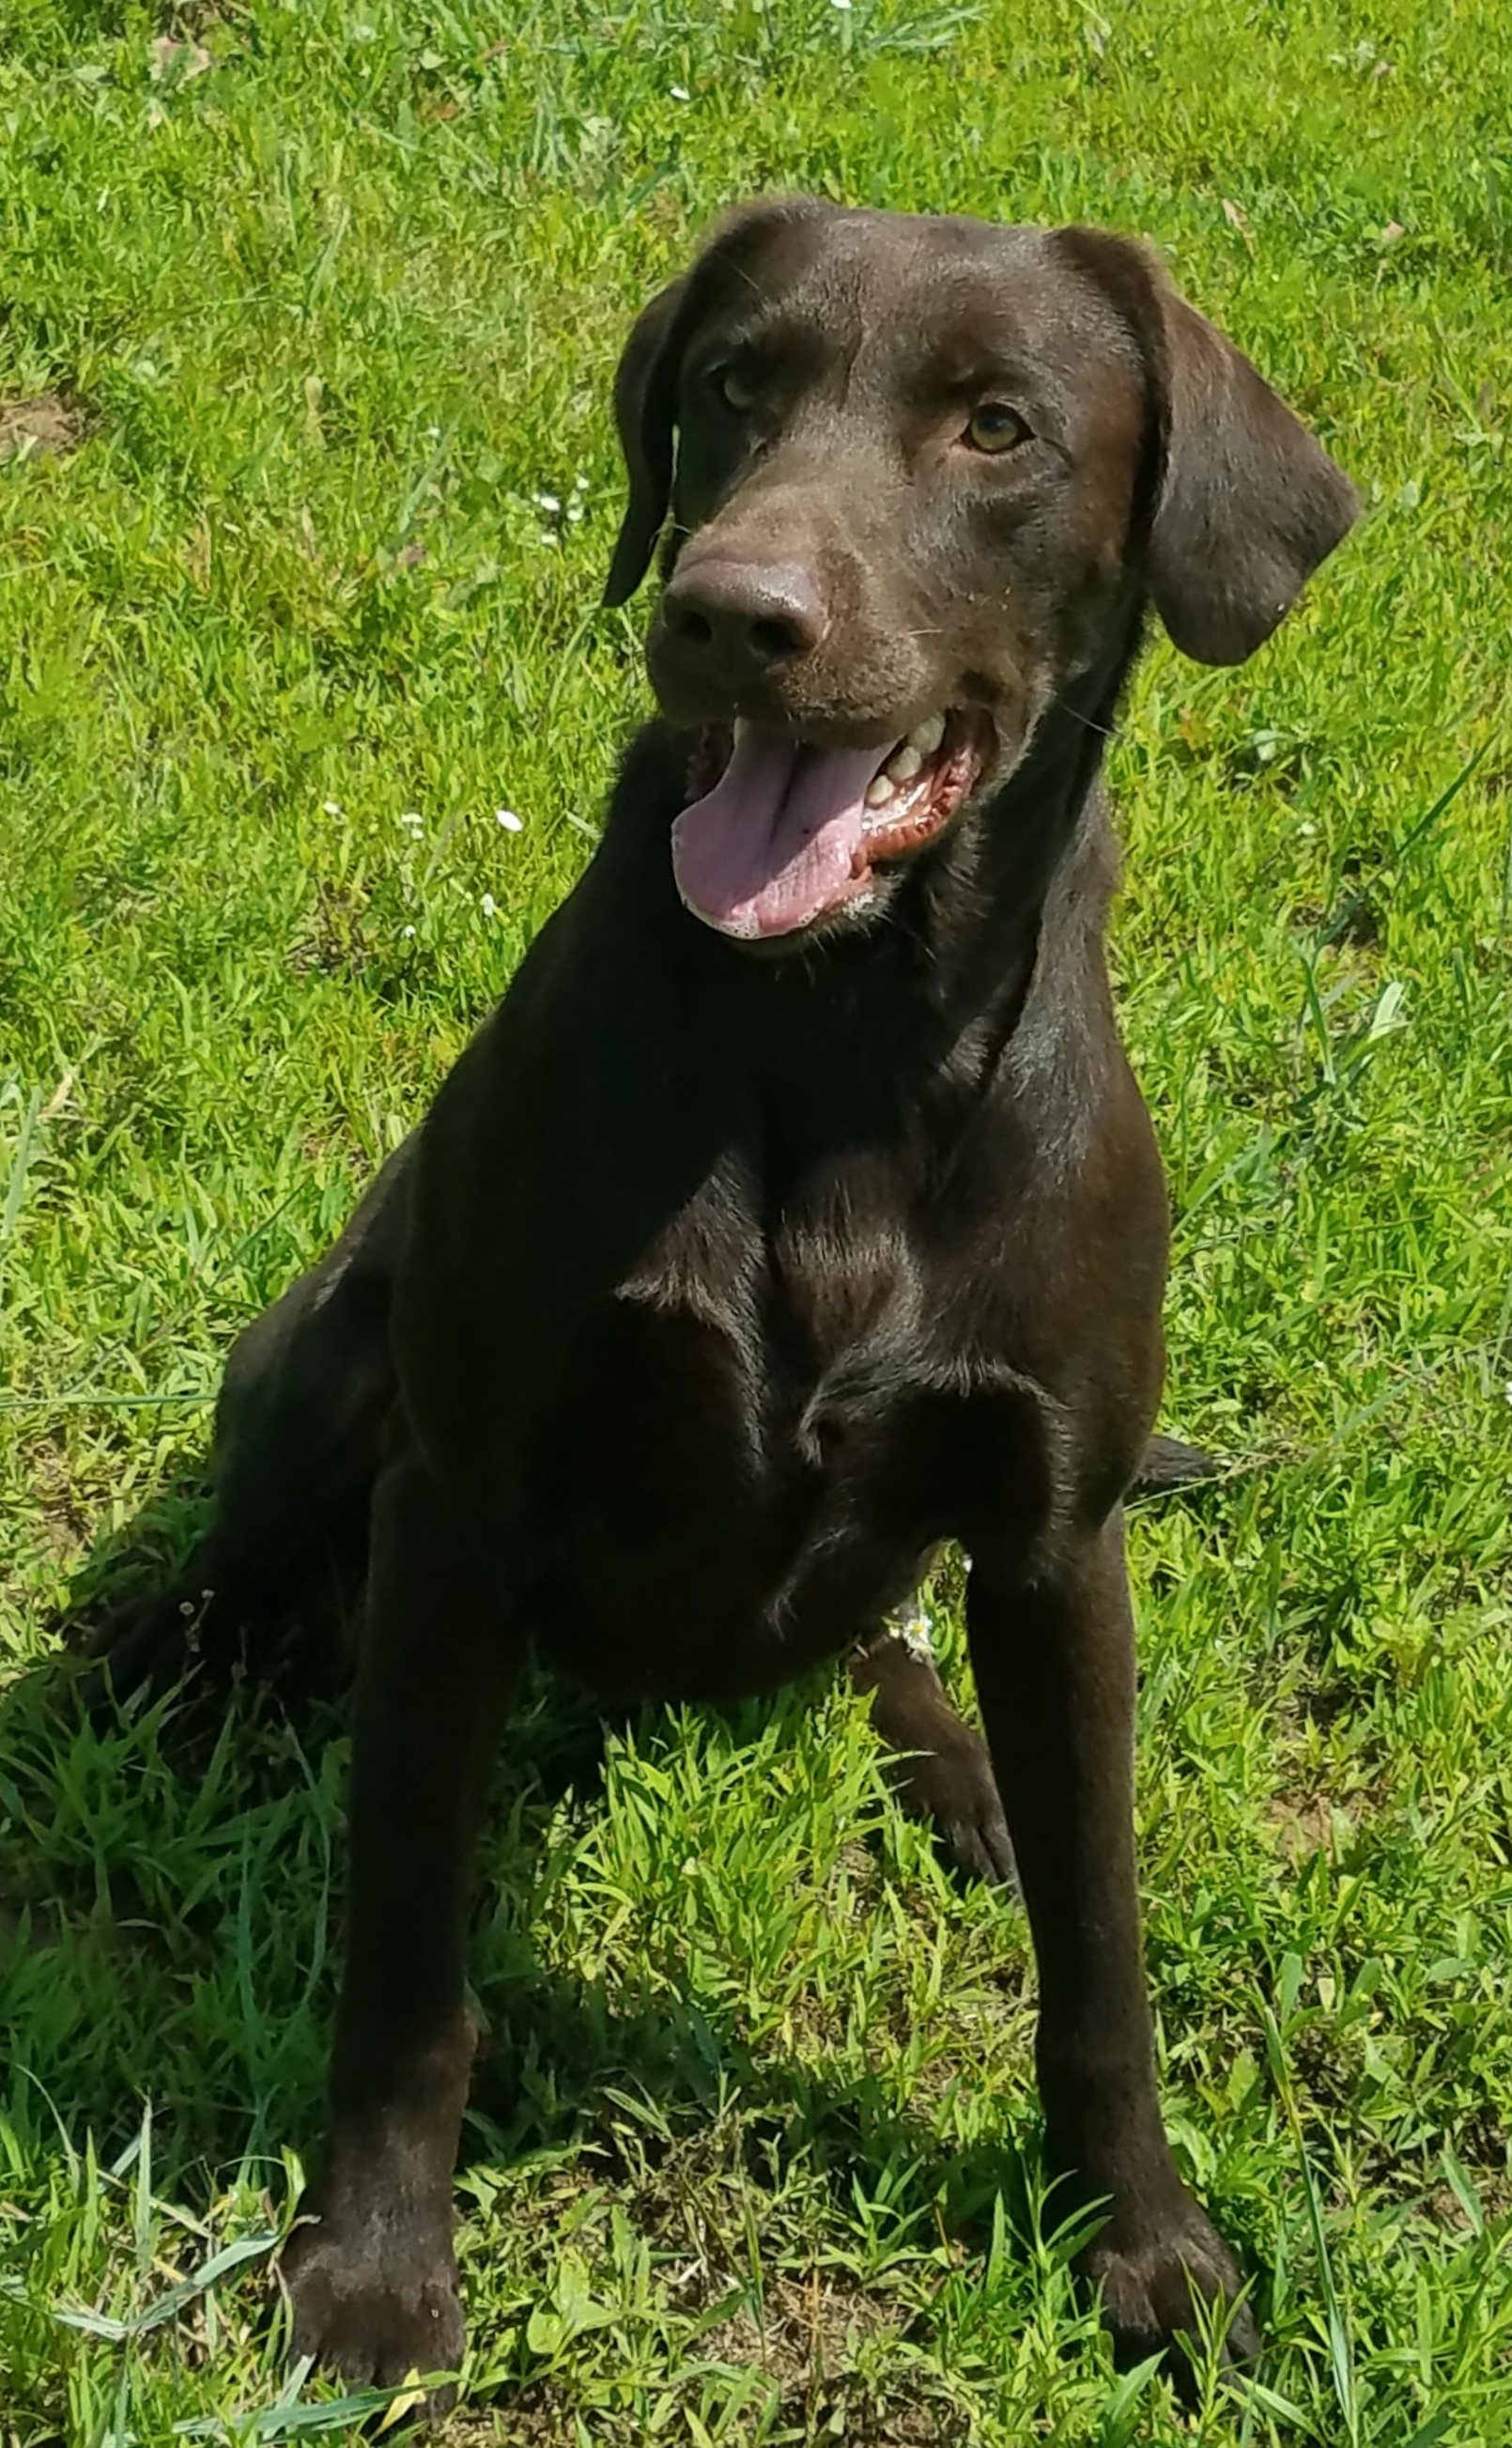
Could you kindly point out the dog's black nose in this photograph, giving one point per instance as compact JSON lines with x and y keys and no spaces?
{"x":735,"y":622}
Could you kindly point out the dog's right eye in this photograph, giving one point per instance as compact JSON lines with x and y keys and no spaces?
{"x":736,"y":389}
{"x":996,"y":427}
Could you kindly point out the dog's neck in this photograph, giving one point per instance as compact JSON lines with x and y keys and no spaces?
{"x":982,"y":907}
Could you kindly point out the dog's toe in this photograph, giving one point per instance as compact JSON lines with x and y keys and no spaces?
{"x":374,"y":2304}
{"x":144,"y":1645}
{"x":952,"y":1784}
{"x":982,"y":1847}
{"x":1154,"y":2285}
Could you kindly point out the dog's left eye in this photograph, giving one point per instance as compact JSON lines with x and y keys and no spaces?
{"x":996,"y":427}
{"x":736,"y":389}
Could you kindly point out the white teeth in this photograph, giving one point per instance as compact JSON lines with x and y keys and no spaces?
{"x":903,"y":763}
{"x":907,"y":761}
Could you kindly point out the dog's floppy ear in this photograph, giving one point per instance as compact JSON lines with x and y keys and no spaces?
{"x":1249,"y":501}
{"x":645,"y":412}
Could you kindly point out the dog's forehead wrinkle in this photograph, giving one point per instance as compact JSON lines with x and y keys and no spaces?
{"x":890,"y":306}
{"x":829,"y":300}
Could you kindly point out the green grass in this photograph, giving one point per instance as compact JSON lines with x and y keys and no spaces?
{"x":753,"y":2158}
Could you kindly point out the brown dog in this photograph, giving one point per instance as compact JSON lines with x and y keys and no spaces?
{"x":797,"y":1210}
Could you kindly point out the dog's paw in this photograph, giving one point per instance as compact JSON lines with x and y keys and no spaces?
{"x":1153,"y":2283}
{"x":140,"y":1648}
{"x":952,"y":1784}
{"x":374,"y":2302}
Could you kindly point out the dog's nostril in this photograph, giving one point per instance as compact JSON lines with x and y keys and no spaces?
{"x":695,"y":628}
{"x":775,"y":639}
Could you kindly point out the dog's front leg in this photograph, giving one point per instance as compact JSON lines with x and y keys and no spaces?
{"x":372,"y":2276}
{"x":1055,"y":1674}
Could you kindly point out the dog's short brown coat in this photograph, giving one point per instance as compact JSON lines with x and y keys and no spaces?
{"x":717,"y":1288}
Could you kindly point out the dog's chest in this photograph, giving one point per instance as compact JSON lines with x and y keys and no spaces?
{"x":760,"y":1438}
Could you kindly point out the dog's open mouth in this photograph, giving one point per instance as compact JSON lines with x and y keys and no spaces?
{"x":785,"y":833}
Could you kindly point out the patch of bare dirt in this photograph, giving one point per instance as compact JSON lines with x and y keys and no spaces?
{"x":1305,"y":1825}
{"x":332,"y":939}
{"x":63,"y":1511}
{"x":48,"y":427}
{"x":805,"y":2344}
{"x":809,"y":2332}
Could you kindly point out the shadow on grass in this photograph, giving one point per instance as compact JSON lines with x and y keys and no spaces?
{"x":223,"y":1752}
{"x":239,"y":1734}
{"x":564,"y":2070}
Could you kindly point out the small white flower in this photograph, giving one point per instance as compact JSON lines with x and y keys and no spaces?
{"x":432,"y":433}
{"x":580,"y":483}
{"x":330,"y":807}
{"x":507,"y":818}
{"x":1507,"y":1392}
{"x":407,"y":932}
{"x":839,"y":4}
{"x":1308,"y":832}
{"x":364,"y":35}
{"x":680,"y":93}
{"x":547,"y":502}
{"x":489,"y":906}
{"x":546,"y":537}
{"x":574,"y":511}
{"x":414,"y":823}
{"x":913,"y":1631}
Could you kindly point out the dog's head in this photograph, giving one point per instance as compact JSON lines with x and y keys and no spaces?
{"x":918,"y":470}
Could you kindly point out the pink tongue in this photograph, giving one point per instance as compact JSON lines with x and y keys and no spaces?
{"x":773,"y":845}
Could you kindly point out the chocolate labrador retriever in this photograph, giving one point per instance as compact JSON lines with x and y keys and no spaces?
{"x":797,"y":1210}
